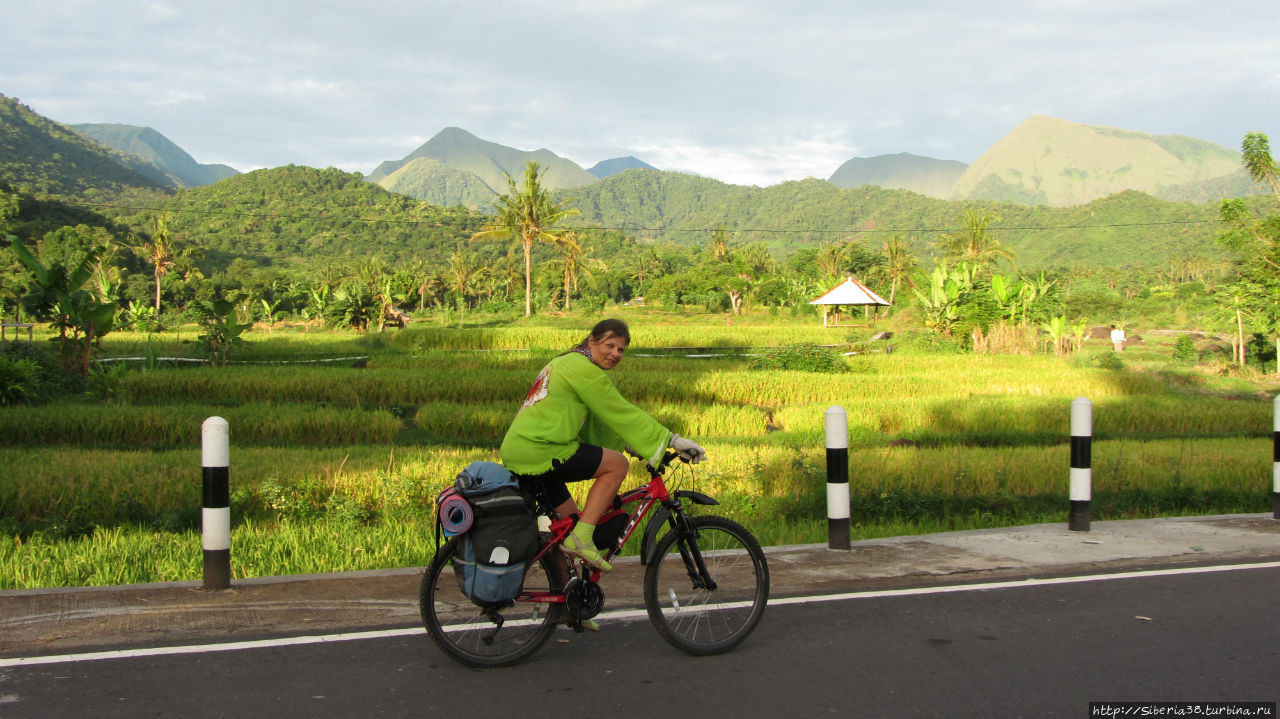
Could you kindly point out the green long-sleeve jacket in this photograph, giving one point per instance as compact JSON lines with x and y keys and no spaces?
{"x":574,"y":401}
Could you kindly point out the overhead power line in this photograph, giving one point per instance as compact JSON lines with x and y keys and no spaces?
{"x":627,"y":228}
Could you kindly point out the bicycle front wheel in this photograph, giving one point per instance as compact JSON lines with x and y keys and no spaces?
{"x":478,"y":637}
{"x":695,"y":618}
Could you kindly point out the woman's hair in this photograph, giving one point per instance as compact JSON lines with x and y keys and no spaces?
{"x":607,"y":328}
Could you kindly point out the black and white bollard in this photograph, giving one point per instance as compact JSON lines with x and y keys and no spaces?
{"x":837,"y":478}
{"x":1275,"y":462}
{"x":1081,"y":464}
{"x":215,"y":453}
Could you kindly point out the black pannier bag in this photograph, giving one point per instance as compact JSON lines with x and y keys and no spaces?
{"x":503,"y":537}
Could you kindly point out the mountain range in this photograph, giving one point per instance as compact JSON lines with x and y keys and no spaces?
{"x":1042,"y":161}
{"x":301,"y":214}
{"x":175,"y":167}
{"x":902,"y":171}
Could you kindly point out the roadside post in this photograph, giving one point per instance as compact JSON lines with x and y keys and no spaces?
{"x":1081,"y":464}
{"x":1275,"y":461}
{"x":837,"y":423}
{"x":215,"y":518}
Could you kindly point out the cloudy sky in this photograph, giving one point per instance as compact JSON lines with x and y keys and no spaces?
{"x":744,"y":91}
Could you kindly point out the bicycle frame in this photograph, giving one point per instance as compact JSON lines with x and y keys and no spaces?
{"x":654,"y":492}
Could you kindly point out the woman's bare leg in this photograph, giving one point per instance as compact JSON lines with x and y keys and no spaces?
{"x":608,"y":480}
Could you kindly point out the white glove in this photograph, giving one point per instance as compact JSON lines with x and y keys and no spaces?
{"x":689,"y":450}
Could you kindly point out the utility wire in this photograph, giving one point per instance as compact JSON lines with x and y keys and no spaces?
{"x":625,"y":228}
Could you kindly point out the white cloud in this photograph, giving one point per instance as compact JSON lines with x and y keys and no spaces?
{"x":747,"y":91}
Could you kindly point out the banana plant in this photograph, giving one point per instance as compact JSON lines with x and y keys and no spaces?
{"x":69,"y":307}
{"x":942,"y":295}
{"x":220,"y":329}
{"x":1057,"y":329}
{"x":1007,"y":292}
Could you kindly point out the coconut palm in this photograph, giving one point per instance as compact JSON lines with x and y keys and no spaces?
{"x":758,"y":260}
{"x":502,"y":276}
{"x":529,"y":214}
{"x":642,"y":266}
{"x":833,"y":258}
{"x":900,"y":265}
{"x":575,"y":261}
{"x":159,"y":250}
{"x":1256,"y":155}
{"x":718,"y":248}
{"x":975,"y":242}
{"x":426,"y":281}
{"x":462,"y":273}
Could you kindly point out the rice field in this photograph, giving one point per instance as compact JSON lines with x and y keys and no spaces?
{"x":335,"y":465}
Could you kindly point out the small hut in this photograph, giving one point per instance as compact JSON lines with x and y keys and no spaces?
{"x":849,"y":292}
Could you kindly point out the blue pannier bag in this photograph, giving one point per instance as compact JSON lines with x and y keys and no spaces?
{"x":503,"y":536}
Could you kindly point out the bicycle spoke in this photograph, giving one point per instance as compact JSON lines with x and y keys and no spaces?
{"x":700,"y":620}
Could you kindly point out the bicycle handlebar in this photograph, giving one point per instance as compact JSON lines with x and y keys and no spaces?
{"x":667,"y":458}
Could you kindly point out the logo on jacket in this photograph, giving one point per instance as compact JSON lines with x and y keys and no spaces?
{"x":539,"y":388}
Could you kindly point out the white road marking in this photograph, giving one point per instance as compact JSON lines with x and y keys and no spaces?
{"x":624,"y":615}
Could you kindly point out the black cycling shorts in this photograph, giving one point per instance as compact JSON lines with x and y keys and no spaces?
{"x":581,"y":465}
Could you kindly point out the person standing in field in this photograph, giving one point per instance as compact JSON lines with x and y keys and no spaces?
{"x":1117,"y":338}
{"x":574,"y":425}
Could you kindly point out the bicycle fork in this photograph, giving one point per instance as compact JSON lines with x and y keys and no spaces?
{"x":690,"y":552}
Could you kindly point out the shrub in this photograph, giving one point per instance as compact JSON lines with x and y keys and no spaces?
{"x":1106,"y":360}
{"x":19,"y":381}
{"x":50,"y":379}
{"x":802,"y":357}
{"x":1184,"y":350}
{"x":107,"y":382}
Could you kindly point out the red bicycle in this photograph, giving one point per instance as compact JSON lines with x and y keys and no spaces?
{"x":706,"y":584}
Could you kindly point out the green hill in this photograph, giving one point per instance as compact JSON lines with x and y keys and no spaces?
{"x":178,"y":167}
{"x":608,"y":168}
{"x":1127,"y":229}
{"x":902,"y":171}
{"x":461,"y":150}
{"x":436,"y":182}
{"x":1047,"y":161}
{"x":302,"y":215}
{"x":40,"y":156}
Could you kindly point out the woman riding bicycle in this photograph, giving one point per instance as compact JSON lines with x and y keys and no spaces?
{"x":574,"y":425}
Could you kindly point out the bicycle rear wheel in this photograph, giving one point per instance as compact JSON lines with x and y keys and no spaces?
{"x":469,"y":633}
{"x":695,"y":619}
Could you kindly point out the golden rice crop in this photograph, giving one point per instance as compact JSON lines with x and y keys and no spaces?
{"x":176,"y":425}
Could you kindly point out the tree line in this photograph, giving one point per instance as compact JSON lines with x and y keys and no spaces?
{"x":347,"y":253}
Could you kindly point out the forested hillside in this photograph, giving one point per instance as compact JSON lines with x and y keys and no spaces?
{"x":1128,"y":229}
{"x":179,"y":168}
{"x":433,"y":181}
{"x":461,"y":150}
{"x":309,"y":216}
{"x":40,"y":156}
{"x":902,"y":171}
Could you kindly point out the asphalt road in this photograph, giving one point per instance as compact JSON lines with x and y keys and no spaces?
{"x":1022,"y":649}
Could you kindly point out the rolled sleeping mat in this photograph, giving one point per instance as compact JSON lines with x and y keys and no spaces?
{"x":455,"y":513}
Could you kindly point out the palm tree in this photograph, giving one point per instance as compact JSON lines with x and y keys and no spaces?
{"x":900,"y":265}
{"x":758,"y":260}
{"x":1256,"y":151}
{"x":833,"y":258}
{"x":159,"y":251}
{"x":426,"y":281}
{"x":719,"y":246}
{"x":462,"y":274}
{"x":529,"y":214}
{"x":575,"y":261}
{"x":643,"y":266}
{"x":503,"y":275}
{"x":975,"y":242}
